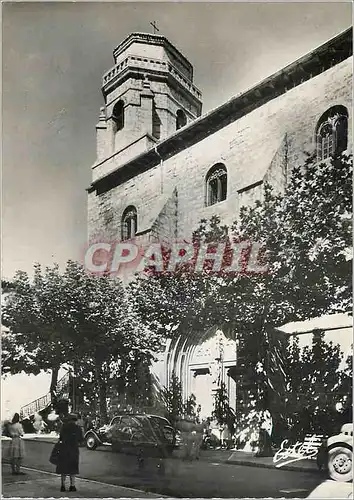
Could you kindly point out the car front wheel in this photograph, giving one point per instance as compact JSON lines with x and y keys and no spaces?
{"x":340,"y":464}
{"x":91,"y":442}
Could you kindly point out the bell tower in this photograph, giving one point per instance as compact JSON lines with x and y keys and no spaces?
{"x":149,"y":94}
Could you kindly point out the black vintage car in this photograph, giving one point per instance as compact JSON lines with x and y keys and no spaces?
{"x":134,"y":433}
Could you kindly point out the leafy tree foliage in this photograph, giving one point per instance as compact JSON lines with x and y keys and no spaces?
{"x":306,"y":232}
{"x":173,"y":400}
{"x":37,"y":325}
{"x":190,"y":407}
{"x":222,"y":412}
{"x":314,"y":387}
{"x":79,"y":319}
{"x":7,"y":286}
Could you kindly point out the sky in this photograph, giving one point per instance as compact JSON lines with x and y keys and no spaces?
{"x":54,"y":55}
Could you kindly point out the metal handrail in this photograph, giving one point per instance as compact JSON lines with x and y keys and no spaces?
{"x":44,"y":401}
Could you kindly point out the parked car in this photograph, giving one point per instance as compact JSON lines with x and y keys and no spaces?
{"x":132,"y":433}
{"x":336,"y":454}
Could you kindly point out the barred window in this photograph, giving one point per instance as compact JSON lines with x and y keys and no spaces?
{"x":216,"y":184}
{"x":129,"y":223}
{"x":332,"y":132}
{"x":118,"y":116}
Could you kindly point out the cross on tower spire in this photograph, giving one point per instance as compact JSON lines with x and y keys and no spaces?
{"x":154,"y":25}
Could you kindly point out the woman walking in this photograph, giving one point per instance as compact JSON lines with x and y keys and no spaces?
{"x":68,"y":460}
{"x":199,"y":429}
{"x":186,"y":427}
{"x":17,"y":449}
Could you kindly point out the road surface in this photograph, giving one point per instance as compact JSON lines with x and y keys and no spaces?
{"x":181,"y":479}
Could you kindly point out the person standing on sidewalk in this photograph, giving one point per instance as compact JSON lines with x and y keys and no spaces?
{"x":199,"y":429}
{"x":17,"y":449}
{"x":188,"y":436}
{"x":68,"y":460}
{"x":80,"y":422}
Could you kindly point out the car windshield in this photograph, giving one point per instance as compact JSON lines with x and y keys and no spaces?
{"x":144,"y":421}
{"x":160,"y":421}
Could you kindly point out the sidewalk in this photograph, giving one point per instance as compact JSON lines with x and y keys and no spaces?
{"x":243,"y":458}
{"x":38,"y":484}
{"x":46,"y":438}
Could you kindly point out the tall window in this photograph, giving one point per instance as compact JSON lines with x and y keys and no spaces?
{"x":332,"y":132}
{"x":129,"y":223}
{"x":181,"y":119}
{"x":216,"y":184}
{"x":156,"y":124}
{"x":118,"y":116}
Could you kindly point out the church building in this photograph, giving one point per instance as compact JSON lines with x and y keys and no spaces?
{"x":162,"y":165}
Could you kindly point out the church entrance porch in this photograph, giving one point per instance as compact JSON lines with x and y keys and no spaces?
{"x":202,"y":361}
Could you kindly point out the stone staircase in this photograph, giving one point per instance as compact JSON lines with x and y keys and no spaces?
{"x":45,"y":401}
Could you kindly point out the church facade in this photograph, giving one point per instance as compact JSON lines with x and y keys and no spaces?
{"x":162,"y":165}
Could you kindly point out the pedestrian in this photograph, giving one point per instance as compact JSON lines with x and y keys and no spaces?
{"x":80,"y":422}
{"x":6,"y":428}
{"x":188,"y":436}
{"x":38,"y":425}
{"x":17,"y":449}
{"x":52,"y":419}
{"x":27,"y":426}
{"x":88,"y":423}
{"x":68,"y":460}
{"x":199,"y":428}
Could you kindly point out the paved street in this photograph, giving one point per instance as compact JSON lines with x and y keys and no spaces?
{"x":180,"y":479}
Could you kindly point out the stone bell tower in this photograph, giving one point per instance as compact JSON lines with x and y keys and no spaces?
{"x":149,"y":94}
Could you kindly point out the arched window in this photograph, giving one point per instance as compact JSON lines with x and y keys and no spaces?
{"x":181,"y":119}
{"x":118,"y":116}
{"x":129,"y":223}
{"x":216,"y":184}
{"x":332,"y":132}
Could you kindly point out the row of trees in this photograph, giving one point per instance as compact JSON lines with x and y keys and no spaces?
{"x":107,"y":331}
{"x":84,"y":321}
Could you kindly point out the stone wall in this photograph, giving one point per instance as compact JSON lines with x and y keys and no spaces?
{"x":253,"y":148}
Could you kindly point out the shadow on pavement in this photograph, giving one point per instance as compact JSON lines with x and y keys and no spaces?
{"x":37,"y":484}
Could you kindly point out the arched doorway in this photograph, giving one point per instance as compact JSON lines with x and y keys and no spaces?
{"x":202,"y":362}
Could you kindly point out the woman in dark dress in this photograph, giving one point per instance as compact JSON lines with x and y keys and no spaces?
{"x":68,"y":462}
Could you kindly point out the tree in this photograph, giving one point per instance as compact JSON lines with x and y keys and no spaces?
{"x":222,"y":411}
{"x":173,"y":400}
{"x":190,"y":407}
{"x":37,"y":325}
{"x":345,"y":405}
{"x":175,"y":407}
{"x":313,"y":390}
{"x":306,"y":233}
{"x":7,"y":286}
{"x":79,"y":319}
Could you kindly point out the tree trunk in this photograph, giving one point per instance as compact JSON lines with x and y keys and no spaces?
{"x":102,"y":392}
{"x":53,"y":385}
